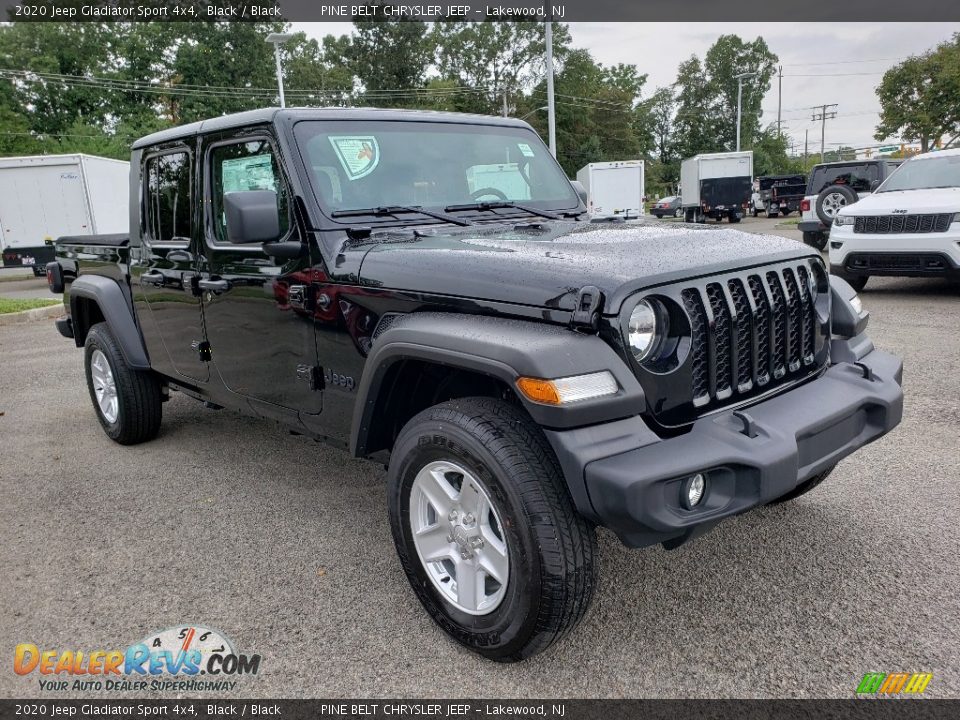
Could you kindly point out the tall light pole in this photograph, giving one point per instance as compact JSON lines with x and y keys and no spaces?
{"x":278,"y":39}
{"x":740,"y":78}
{"x":551,"y":108}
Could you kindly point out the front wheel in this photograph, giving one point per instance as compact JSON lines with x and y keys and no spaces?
{"x":485,"y":528}
{"x":128,"y":402}
{"x":678,"y":212}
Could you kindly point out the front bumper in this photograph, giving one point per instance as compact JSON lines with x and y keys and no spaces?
{"x":626,"y":478}
{"x":910,"y":255}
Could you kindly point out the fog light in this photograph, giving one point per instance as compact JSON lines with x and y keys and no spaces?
{"x":693,"y":491}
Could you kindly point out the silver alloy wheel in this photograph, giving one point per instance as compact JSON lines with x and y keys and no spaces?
{"x":459,"y":537}
{"x":104,"y":386}
{"x":832,"y":204}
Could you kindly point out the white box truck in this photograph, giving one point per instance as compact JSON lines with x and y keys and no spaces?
{"x":43,"y":197}
{"x":614,"y":188}
{"x":716,"y":185}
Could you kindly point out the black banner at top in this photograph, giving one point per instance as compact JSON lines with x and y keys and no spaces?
{"x":688,"y":11}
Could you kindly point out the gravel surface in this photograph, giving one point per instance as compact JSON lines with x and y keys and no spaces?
{"x":284,"y":545}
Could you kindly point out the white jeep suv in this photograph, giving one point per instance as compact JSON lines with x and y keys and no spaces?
{"x":909,"y":227}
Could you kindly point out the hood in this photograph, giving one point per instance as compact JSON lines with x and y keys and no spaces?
{"x":915,"y":202}
{"x":546,"y":265}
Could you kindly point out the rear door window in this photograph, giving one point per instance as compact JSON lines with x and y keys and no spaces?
{"x":859,"y":177}
{"x":166,"y":198}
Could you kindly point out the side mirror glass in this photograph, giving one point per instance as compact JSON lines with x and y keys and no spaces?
{"x":252,"y":216}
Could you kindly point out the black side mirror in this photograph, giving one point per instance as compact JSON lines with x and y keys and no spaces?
{"x":581,"y":190}
{"x":252,"y":216}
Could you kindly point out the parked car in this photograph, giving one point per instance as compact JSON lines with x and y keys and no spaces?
{"x":525,"y":374}
{"x":910,"y":226}
{"x":835,"y":185}
{"x":777,"y":194}
{"x":667,"y":207}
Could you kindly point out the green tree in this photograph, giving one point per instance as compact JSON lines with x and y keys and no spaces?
{"x":706,"y":119}
{"x":770,"y":155}
{"x":919,"y":98}
{"x":490,"y":60}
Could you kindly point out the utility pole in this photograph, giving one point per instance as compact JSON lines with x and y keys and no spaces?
{"x":806,"y":144}
{"x":823,"y":116}
{"x":551,"y":108}
{"x":277,"y":39}
{"x":504,"y":103}
{"x":779,"y":97}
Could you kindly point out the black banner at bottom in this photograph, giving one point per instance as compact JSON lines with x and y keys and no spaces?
{"x":123,"y":709}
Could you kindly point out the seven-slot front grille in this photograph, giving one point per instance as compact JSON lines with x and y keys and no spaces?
{"x":901,"y":224}
{"x":750,"y":332}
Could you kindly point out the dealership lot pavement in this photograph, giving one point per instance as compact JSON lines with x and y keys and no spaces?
{"x":283,"y":544}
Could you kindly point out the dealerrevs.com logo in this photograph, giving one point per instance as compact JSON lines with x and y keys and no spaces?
{"x":183,"y":658}
{"x":898,"y":684}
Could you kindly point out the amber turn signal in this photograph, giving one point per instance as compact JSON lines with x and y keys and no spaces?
{"x":563,"y":391}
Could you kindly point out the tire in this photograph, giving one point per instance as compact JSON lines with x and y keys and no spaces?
{"x":678,"y":212}
{"x":816,"y":240}
{"x":804,"y":487}
{"x":550,"y":547}
{"x":857,"y":282}
{"x":753,"y":211}
{"x":136,"y":415}
{"x":831,"y":199}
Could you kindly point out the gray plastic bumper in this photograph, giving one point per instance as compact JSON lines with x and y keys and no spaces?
{"x":624,"y":477}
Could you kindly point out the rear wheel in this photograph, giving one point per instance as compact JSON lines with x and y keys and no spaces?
{"x":678,"y":212}
{"x":804,"y":487}
{"x":857,"y":282}
{"x":485,"y":529}
{"x":128,"y":402}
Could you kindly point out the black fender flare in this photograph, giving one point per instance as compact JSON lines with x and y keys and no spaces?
{"x":113,"y":304}
{"x":504,"y":349}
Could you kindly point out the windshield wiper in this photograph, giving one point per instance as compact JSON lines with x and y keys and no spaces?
{"x":398,"y":210}
{"x":503,"y":204}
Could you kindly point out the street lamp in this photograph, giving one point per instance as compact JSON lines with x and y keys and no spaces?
{"x":740,"y":79}
{"x":533,"y":111}
{"x":278,"y":39}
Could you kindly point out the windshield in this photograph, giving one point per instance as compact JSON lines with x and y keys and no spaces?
{"x":375,"y":164}
{"x":934,"y":172}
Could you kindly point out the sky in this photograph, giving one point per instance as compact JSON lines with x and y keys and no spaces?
{"x":822,"y":63}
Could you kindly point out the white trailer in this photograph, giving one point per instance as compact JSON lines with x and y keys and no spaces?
{"x":43,"y":197}
{"x":614,"y":188}
{"x":716,"y":185}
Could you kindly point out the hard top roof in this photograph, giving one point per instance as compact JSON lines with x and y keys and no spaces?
{"x":267,"y":115}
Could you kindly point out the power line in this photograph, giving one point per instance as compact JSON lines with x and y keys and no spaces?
{"x":824,"y":115}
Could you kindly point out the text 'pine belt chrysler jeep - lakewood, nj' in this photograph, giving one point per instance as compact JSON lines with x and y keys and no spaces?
{"x":425,"y":289}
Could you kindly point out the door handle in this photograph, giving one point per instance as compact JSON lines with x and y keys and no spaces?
{"x":214,"y":285}
{"x":152,"y":278}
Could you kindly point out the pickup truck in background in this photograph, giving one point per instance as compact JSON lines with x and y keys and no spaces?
{"x":778,"y":194}
{"x":833,"y":186}
{"x":424,"y":289}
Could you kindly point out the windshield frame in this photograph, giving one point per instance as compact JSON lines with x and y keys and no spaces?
{"x":572,"y":205}
{"x":910,"y":162}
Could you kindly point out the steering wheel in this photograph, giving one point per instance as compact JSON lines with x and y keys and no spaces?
{"x":481,"y":192}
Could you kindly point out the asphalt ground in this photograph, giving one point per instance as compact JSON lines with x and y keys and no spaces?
{"x":283,"y":545}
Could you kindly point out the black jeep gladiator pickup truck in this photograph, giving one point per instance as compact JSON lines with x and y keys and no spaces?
{"x":425,"y":289}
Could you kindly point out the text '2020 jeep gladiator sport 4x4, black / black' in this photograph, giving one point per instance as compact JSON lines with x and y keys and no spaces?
{"x":424,"y":288}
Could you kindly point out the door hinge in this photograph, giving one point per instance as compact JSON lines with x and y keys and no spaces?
{"x":202,"y":347}
{"x":311,"y":374}
{"x":586,"y":312}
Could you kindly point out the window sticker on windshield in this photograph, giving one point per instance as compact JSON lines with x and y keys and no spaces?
{"x":525,"y":149}
{"x":358,"y":155}
{"x":254,"y":172}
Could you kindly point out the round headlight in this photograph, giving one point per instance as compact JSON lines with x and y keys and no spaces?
{"x":642,"y":330}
